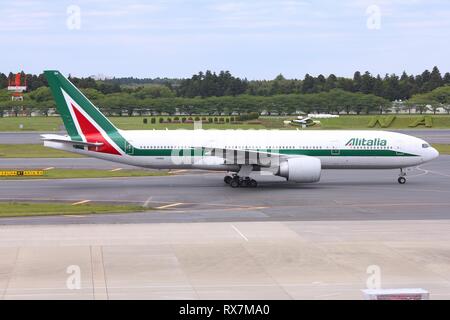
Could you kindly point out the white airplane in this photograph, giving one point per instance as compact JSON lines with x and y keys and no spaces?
{"x":304,"y":121}
{"x":296,"y":155}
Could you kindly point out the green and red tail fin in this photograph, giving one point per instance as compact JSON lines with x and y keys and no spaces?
{"x":83,"y":121}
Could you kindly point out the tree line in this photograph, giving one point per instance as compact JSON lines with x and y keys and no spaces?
{"x":210,"y":93}
{"x":210,"y":84}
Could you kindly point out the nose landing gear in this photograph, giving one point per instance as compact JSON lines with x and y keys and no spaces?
{"x":401,"y":179}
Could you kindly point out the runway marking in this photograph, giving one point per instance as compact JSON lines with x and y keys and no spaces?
{"x":440,"y":174}
{"x":170,"y":205}
{"x":73,"y":216}
{"x":147,"y":202}
{"x":239,"y":232}
{"x":80,"y":202}
{"x":178,"y":171}
{"x":49,"y":168}
{"x":424,"y":172}
{"x":254,"y":208}
{"x":117,"y":169}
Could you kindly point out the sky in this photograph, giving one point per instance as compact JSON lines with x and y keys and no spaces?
{"x":255,"y":39}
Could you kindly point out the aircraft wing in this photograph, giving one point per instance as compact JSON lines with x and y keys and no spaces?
{"x":67,"y":140}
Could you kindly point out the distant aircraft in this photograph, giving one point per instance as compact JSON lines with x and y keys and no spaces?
{"x":304,"y":121}
{"x":296,"y":155}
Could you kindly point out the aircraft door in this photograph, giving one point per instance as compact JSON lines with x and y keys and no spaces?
{"x":129,"y":149}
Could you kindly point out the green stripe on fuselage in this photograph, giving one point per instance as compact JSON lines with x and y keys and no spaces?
{"x":305,"y":152}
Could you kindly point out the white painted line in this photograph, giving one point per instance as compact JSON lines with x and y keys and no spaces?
{"x":254,"y":208}
{"x":169,"y":205}
{"x":147,"y":202}
{"x":240,"y":233}
{"x":49,"y":168}
{"x":178,"y":171}
{"x":73,"y":216}
{"x":424,"y":172}
{"x":439,"y":173}
{"x":80,"y":202}
{"x":117,"y":169}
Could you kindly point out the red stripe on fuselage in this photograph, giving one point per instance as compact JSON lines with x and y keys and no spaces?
{"x":92,"y":134}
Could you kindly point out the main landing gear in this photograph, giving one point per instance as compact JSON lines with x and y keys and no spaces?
{"x":236,"y":181}
{"x":401,"y":179}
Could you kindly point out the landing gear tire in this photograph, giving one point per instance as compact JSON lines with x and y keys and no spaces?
{"x":245,"y":182}
{"x":401,"y":178}
{"x":234,"y":183}
{"x":252,"y":183}
{"x":227,"y":179}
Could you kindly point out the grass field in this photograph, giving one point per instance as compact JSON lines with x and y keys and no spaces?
{"x":33,"y":151}
{"x":88,"y":173}
{"x":31,"y":124}
{"x":136,"y":123}
{"x":442,"y":148}
{"x":26,"y":209}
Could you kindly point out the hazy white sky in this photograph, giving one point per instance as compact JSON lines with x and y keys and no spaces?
{"x":253,"y":38}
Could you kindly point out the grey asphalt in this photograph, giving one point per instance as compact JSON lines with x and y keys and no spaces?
{"x":24,"y":137}
{"x":429,"y":135}
{"x":203,"y":197}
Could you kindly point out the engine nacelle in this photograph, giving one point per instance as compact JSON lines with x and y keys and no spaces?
{"x":301,"y":169}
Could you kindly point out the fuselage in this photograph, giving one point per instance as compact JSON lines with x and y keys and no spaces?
{"x":169,"y":149}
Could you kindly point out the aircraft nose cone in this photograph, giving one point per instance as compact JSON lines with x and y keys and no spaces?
{"x":434,"y":153}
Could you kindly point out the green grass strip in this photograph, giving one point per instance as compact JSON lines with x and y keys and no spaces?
{"x":442,"y":148}
{"x":27,"y":209}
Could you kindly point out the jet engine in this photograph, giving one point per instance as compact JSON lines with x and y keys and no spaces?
{"x":301,"y":169}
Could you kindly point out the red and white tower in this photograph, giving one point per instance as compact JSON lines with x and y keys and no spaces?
{"x":17,"y":88}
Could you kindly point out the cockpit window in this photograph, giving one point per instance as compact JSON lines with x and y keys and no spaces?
{"x":425,"y":145}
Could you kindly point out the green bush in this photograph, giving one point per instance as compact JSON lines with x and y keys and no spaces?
{"x":384,"y":122}
{"x":249,"y":116}
{"x":426,"y":121}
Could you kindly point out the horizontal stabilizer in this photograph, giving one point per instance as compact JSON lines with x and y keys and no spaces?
{"x":67,"y":140}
